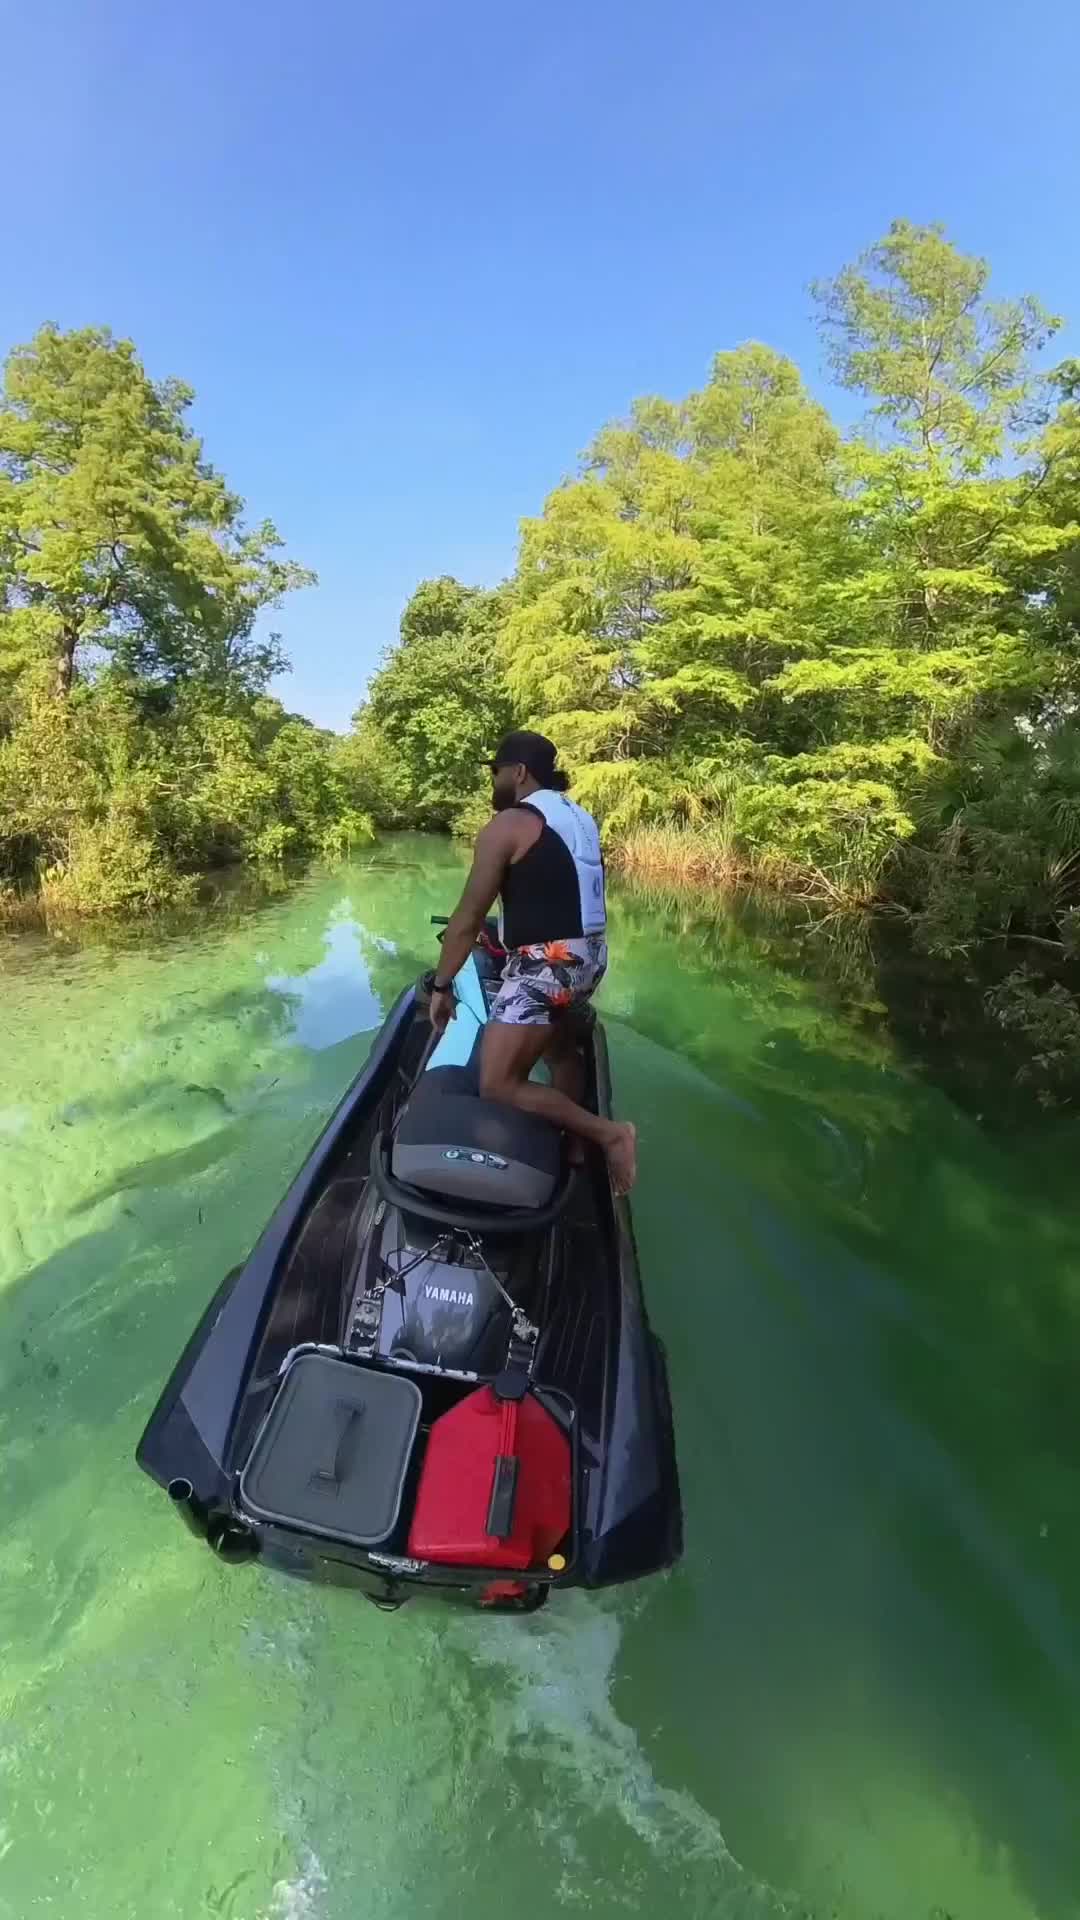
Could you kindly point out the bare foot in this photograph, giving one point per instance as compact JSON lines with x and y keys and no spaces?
{"x":622,"y":1157}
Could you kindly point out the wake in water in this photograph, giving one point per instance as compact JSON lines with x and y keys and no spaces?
{"x":528,"y":1791}
{"x":298,"y":1899}
{"x":559,"y":1713}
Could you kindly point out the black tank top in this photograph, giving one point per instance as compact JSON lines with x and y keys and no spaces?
{"x":541,"y":897}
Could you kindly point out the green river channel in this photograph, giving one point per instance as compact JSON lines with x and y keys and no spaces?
{"x":858,"y":1698}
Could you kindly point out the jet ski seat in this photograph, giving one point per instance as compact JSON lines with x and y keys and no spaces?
{"x":451,"y":1142}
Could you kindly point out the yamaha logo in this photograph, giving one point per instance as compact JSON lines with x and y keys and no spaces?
{"x":454,"y":1296}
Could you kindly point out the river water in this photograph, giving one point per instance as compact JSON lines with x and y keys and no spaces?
{"x":857,"y":1699}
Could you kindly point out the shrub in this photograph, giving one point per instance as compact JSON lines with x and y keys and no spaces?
{"x":112,"y":867}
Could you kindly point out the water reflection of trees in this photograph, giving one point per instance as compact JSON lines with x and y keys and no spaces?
{"x":887,"y":1001}
{"x":749,"y":996}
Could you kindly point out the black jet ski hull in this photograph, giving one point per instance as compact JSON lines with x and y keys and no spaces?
{"x":598,"y":1363}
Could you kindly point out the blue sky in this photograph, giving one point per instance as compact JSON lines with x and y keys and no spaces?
{"x":412,"y":256}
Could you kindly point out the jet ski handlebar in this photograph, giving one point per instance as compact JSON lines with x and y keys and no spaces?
{"x":488,"y":937}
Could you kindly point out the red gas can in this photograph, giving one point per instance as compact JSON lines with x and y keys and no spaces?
{"x":495,"y":1485}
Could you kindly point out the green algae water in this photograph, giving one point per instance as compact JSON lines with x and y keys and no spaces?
{"x":859,"y":1696}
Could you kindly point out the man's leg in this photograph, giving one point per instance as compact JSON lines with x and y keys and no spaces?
{"x":507,"y":1057}
{"x":563,"y":1055}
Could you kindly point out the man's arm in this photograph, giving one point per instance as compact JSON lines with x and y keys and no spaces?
{"x":495,"y":846}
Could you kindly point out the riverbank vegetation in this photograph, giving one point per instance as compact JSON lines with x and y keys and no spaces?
{"x":138,"y":744}
{"x":839,"y":660}
{"x":844,"y":661}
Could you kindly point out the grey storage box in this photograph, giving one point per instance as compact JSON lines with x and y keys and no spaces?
{"x":333,"y":1453}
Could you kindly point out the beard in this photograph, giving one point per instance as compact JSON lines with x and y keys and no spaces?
{"x":502,"y":797}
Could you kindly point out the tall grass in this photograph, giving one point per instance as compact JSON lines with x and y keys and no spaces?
{"x":704,"y":856}
{"x":682,"y":856}
{"x":20,"y":909}
{"x":710,"y":856}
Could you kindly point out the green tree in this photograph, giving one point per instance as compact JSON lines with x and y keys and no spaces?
{"x":849,"y":664}
{"x":658,"y":595}
{"x":591,"y":576}
{"x":137,"y":743}
{"x":927,"y":631}
{"x":765,"y":523}
{"x":1052,"y":583}
{"x":118,"y":542}
{"x":438,"y":704}
{"x":934,"y":616}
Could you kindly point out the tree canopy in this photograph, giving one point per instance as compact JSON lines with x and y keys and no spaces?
{"x":846,"y":661}
{"x":437,"y":705}
{"x":118,"y":542}
{"x":137,"y":742}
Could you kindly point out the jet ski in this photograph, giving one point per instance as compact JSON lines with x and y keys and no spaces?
{"x":435,"y":1373}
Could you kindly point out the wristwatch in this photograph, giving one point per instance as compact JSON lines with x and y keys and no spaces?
{"x":432,"y":984}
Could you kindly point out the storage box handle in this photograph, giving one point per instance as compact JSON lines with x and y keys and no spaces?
{"x":328,"y":1473}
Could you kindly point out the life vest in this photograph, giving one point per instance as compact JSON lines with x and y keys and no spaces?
{"x":556,"y":890}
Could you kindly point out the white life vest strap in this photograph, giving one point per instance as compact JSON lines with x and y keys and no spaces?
{"x":581,"y":836}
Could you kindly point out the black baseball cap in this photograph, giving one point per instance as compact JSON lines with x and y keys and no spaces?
{"x":525,"y":749}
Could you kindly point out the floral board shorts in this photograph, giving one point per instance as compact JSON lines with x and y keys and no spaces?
{"x":542,"y":984}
